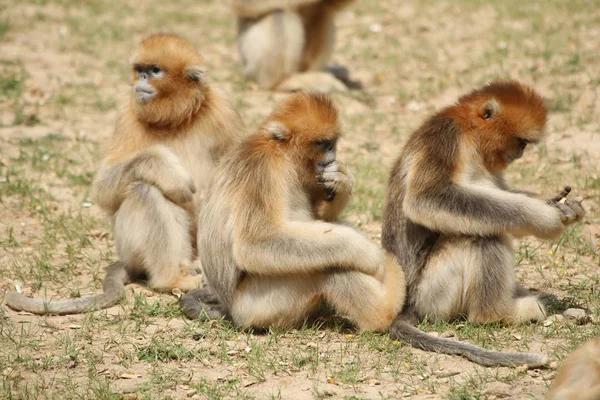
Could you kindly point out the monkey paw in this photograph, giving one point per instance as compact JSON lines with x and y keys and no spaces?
{"x":335,"y":178}
{"x":571,"y":211}
{"x":179,"y":193}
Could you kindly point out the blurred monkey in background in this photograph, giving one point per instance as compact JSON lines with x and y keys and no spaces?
{"x":285,"y":44}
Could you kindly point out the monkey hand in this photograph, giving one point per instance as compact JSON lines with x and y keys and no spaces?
{"x":335,"y":178}
{"x":571,"y":210}
{"x":179,"y":191}
{"x":176,"y":184}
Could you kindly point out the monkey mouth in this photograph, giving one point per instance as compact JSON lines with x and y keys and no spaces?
{"x":144,"y":95}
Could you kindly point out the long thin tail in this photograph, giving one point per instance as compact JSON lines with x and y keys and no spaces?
{"x":419,"y":339}
{"x":113,"y":290}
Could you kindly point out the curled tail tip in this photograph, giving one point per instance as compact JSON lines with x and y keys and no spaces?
{"x":540,"y":360}
{"x":12,"y":299}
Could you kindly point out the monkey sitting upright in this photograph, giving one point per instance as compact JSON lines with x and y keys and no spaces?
{"x":272,"y":249}
{"x":449,"y":215}
{"x":286,"y":44}
{"x":163,"y":153}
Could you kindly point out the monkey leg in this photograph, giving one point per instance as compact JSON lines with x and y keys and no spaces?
{"x":272,"y":51}
{"x":202,"y":304}
{"x":286,"y":301}
{"x":474,"y":277}
{"x":153,"y":238}
{"x":370,"y":302}
{"x":271,"y":48}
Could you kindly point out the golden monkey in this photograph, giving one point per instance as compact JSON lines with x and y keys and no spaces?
{"x":163,"y":152}
{"x":579,"y":376}
{"x":286,"y":44}
{"x":272,"y":248}
{"x":449,"y":215}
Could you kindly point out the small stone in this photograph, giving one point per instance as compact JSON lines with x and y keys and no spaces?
{"x":550,"y":376}
{"x":577,"y":315}
{"x":517,"y":336}
{"x":311,"y":345}
{"x":556,"y":318}
{"x":198,"y":334}
{"x":533,"y":373}
{"x":521,"y":369}
{"x":436,"y":334}
{"x":375,"y":28}
{"x":499,"y":389}
{"x":249,"y":382}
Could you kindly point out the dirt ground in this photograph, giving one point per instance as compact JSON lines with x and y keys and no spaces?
{"x":63,"y":79}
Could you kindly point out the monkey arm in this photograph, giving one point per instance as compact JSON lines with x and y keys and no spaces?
{"x":471,"y":209}
{"x":329,"y":211}
{"x":156,"y":165}
{"x":307,"y":247}
{"x":258,"y":8}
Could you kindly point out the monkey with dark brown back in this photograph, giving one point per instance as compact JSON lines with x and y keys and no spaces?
{"x":164,"y":150}
{"x":449,"y":215}
{"x":286,"y":44}
{"x":272,"y":247}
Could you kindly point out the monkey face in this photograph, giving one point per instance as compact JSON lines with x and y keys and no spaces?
{"x":503,"y":118}
{"x":143,"y":89}
{"x":325,"y":153}
{"x":169,"y":80}
{"x":515,"y":149}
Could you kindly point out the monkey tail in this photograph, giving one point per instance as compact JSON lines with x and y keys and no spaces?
{"x":419,"y":339}
{"x":202,"y":304}
{"x":113,"y":291}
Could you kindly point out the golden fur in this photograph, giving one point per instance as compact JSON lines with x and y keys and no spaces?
{"x":158,"y":163}
{"x":579,"y":376}
{"x":273,"y":250}
{"x":449,"y":215}
{"x":268,"y":254}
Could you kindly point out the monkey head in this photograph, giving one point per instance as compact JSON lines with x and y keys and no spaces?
{"x":502,"y":118}
{"x":306,"y":128}
{"x":169,"y":80}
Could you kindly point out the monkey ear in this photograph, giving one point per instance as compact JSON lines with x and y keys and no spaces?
{"x":490,"y":109}
{"x":196,"y":73}
{"x":277,"y":130}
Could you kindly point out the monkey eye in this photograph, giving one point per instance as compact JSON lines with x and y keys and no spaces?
{"x":156,"y":71}
{"x":522,"y":143}
{"x":324,"y":145}
{"x":138,"y":69}
{"x":488,"y":114}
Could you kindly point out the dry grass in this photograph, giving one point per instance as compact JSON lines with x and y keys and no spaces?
{"x":63,"y":73}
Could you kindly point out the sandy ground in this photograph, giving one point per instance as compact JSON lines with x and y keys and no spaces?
{"x":63,"y":79}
